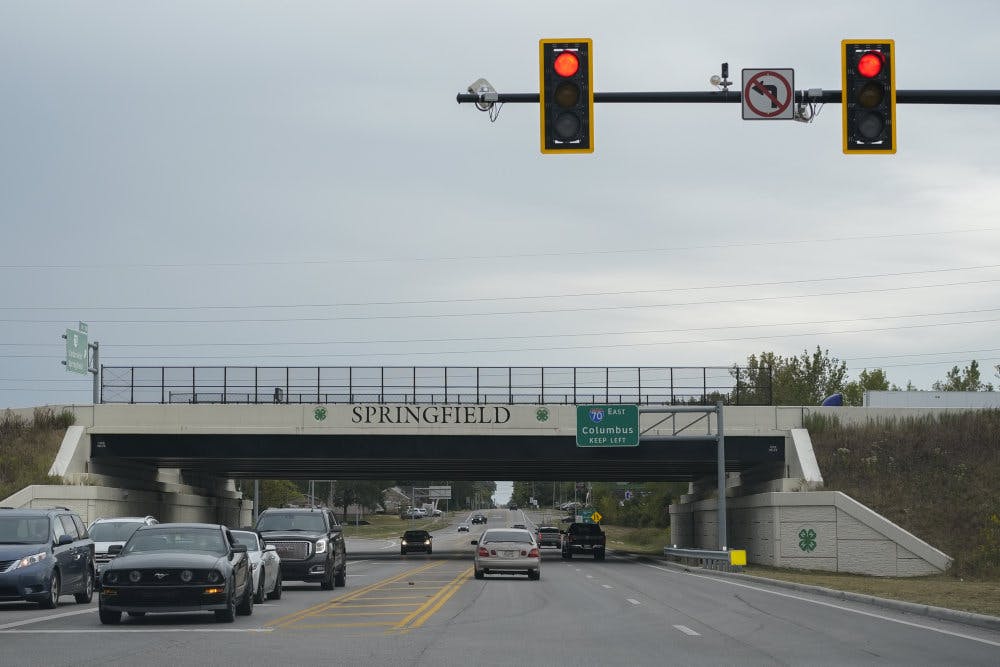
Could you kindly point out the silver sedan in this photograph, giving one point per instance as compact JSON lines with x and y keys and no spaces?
{"x":265,"y":566}
{"x":507,"y":550}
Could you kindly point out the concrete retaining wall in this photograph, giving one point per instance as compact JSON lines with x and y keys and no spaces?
{"x":820,"y":530}
{"x":92,"y":502}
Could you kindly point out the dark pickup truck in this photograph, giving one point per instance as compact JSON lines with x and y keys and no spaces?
{"x":584,"y":538}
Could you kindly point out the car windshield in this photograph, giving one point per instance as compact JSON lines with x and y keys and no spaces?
{"x":24,"y":530}
{"x":507,"y":536}
{"x":247,"y":538}
{"x":312,"y":522}
{"x":176,"y":538}
{"x":113,"y":531}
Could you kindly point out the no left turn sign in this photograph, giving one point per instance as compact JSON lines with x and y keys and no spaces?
{"x":768,"y":94}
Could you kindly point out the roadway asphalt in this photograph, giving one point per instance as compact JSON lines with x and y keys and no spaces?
{"x":428,"y":610}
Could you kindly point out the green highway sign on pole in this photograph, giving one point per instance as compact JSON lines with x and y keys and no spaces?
{"x":607,"y":425}
{"x":76,"y":351}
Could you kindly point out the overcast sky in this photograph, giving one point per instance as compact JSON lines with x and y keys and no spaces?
{"x":250,"y":183}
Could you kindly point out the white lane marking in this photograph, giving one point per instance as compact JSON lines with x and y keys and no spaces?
{"x":828,"y":604}
{"x":578,"y":569}
{"x":42,"y":619}
{"x":606,"y":586}
{"x":590,"y":576}
{"x":633,"y":601}
{"x":688,"y":631}
{"x":131,"y":631}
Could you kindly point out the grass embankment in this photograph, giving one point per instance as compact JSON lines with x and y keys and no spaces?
{"x":937,"y":476}
{"x":382,"y":526}
{"x":27,"y":448}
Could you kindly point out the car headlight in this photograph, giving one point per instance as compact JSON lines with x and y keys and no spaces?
{"x":403,"y":543}
{"x":321,"y":546}
{"x":30,"y":560}
{"x":186,"y":576}
{"x":214,"y":576}
{"x":427,"y":541}
{"x":111,"y":577}
{"x":134,"y":576}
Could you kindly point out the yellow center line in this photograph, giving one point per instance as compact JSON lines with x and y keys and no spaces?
{"x":285,"y":621}
{"x":432,"y":606}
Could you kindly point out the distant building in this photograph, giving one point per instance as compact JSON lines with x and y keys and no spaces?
{"x":932,"y":399}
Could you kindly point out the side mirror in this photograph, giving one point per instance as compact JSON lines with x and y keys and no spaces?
{"x":239,"y":548}
{"x":336,"y":529}
{"x":64,"y":539}
{"x":474,"y":542}
{"x":270,"y":547}
{"x":115,"y":549}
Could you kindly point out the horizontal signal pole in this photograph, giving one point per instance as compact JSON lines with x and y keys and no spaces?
{"x":711,"y":97}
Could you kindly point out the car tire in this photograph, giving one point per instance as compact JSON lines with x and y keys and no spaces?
{"x":258,"y":597}
{"x":109,"y":617}
{"x":245,"y":607}
{"x":402,"y":552}
{"x":340,"y":578}
{"x":87,"y":594}
{"x":430,"y":551}
{"x":599,"y":555}
{"x":327,"y":583}
{"x":51,"y":601}
{"x":228,"y":615}
{"x":534,"y":575}
{"x":276,"y":593}
{"x":479,"y":574}
{"x":568,"y":555}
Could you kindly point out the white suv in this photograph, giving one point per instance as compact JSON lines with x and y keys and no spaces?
{"x":106,"y":532}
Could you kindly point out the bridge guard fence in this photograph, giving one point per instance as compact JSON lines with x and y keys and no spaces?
{"x":669,"y":385}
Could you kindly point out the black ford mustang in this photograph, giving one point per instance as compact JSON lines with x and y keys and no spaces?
{"x":177,"y":567}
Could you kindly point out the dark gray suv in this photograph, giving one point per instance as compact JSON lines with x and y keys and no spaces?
{"x":44,"y":554}
{"x":310,"y":543}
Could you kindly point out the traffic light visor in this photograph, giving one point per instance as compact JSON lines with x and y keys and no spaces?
{"x":870,"y":64}
{"x":566,"y":64}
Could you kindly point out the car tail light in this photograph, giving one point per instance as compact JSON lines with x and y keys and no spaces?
{"x":483,"y":551}
{"x":533,"y":553}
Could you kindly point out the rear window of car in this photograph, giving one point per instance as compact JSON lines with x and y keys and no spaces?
{"x":585,"y":529}
{"x":507,"y":536}
{"x":416,"y":535}
{"x":548,"y":530}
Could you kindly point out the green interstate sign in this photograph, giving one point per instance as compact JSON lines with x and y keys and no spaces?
{"x":607,"y":425}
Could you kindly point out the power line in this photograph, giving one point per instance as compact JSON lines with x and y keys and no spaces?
{"x":371,"y":341}
{"x":548,"y":311}
{"x":478,"y":258}
{"x":571,"y":295}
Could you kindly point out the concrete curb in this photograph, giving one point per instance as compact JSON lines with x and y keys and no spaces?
{"x":940,"y":613}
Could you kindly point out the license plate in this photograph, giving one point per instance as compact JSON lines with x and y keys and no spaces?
{"x":508,"y":554}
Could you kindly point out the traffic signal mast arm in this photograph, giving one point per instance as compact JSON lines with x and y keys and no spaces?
{"x":735,"y":97}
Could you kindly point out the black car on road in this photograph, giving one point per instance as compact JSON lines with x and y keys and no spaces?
{"x":44,"y":554}
{"x":177,"y":567}
{"x":416,"y":540}
{"x":310,"y":543}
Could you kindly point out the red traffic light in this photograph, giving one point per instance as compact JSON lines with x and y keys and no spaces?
{"x":870,"y":64}
{"x":566,"y":64}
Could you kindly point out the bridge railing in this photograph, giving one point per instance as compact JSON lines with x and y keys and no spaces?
{"x":442,"y":384}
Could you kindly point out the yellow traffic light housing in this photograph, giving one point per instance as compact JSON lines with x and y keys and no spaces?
{"x":868,"y":102}
{"x":566,"y":95}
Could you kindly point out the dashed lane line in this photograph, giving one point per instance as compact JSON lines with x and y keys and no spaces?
{"x":633,"y":601}
{"x":688,"y":631}
{"x":42,"y":619}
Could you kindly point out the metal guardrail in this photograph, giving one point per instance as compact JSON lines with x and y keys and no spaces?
{"x":709,"y":559}
{"x":644,"y":385}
